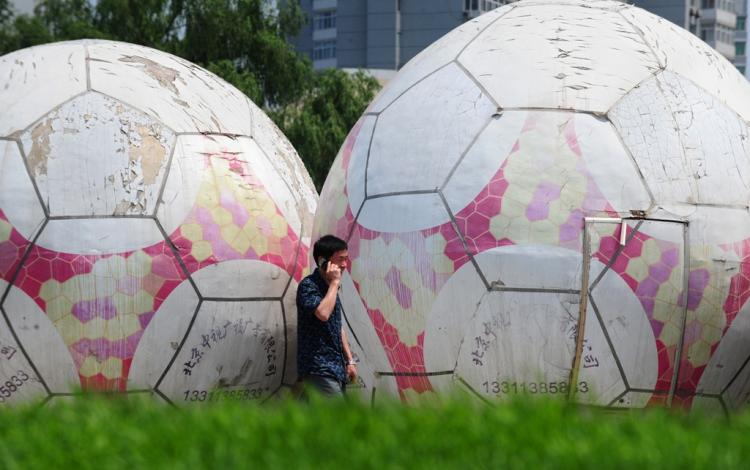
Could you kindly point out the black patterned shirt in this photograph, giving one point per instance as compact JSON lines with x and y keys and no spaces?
{"x":319,"y":347}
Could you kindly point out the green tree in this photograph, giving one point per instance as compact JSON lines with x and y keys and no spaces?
{"x":320,"y":121}
{"x":239,"y":40}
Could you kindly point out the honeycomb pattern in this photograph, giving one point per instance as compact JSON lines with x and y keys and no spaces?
{"x":101,"y":304}
{"x":235,"y":218}
{"x":12,"y":247}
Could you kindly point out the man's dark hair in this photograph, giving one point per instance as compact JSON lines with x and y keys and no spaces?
{"x":326,"y":246}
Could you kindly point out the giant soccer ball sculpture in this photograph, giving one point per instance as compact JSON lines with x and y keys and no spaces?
{"x":154,"y":225}
{"x":552,"y":199}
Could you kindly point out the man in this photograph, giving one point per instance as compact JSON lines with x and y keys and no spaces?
{"x":324,"y":360}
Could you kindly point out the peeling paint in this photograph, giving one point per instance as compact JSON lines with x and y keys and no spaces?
{"x":151,"y":154}
{"x":40,"y":148}
{"x":164,"y":75}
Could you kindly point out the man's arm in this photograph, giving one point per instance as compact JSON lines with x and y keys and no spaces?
{"x":351,"y":368}
{"x":326,"y":306}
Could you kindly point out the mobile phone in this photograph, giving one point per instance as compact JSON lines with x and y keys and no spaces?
{"x":323,"y":264}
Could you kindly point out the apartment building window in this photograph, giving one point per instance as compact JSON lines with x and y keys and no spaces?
{"x":708,"y":4}
{"x":482,"y":5}
{"x":741,"y":23}
{"x":707,"y":34}
{"x":324,"y":50}
{"x":324,"y":20}
{"x":739,"y":48}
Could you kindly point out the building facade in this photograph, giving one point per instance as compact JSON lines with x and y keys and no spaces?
{"x":379,"y":34}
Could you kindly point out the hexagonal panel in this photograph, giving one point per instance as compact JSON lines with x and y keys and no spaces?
{"x":234,"y":351}
{"x":96,"y":156}
{"x":689,"y":146}
{"x":684,"y":53}
{"x":99,"y":236}
{"x":100,"y":304}
{"x":406,"y":137}
{"x":216,"y":207}
{"x":182,"y":95}
{"x":35,"y":80}
{"x":19,"y":202}
{"x":552,"y":51}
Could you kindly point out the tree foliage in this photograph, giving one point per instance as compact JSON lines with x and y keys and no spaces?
{"x":242,"y":41}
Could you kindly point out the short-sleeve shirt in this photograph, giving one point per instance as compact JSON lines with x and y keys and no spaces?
{"x":319,"y":347}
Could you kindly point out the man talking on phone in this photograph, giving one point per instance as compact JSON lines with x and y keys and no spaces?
{"x":324,"y":360}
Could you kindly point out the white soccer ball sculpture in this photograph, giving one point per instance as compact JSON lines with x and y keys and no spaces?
{"x":154,"y":225}
{"x":552,"y":199}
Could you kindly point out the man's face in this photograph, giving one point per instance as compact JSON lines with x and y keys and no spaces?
{"x":340,"y":259}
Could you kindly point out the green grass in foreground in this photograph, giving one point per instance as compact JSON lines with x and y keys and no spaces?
{"x":136,"y":433}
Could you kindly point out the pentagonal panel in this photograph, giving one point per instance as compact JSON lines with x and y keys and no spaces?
{"x":24,"y":384}
{"x":234,"y":351}
{"x":216,"y":207}
{"x":95,"y":156}
{"x":99,"y":236}
{"x":684,"y":53}
{"x":19,"y":202}
{"x":690,"y":147}
{"x":437,"y":55}
{"x":181,"y":95}
{"x":406,"y":137}
{"x":552,"y":51}
{"x":42,"y":342}
{"x":162,"y":337}
{"x":36,"y":80}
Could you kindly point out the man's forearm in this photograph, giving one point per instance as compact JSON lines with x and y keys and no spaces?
{"x":326,"y":306}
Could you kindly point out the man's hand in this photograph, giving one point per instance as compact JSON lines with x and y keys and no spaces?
{"x":333,"y":273}
{"x":351,"y":372}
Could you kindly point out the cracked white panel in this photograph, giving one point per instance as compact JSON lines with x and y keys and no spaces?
{"x":425,"y":132}
{"x":519,"y":343}
{"x":241,"y":279}
{"x":18,"y":199}
{"x":403,"y":213}
{"x":182,"y":95}
{"x":357,"y":170}
{"x":728,"y":358}
{"x":689,"y":146}
{"x":609,"y":164}
{"x":275,"y":184}
{"x":35,"y":80}
{"x":162,"y":337}
{"x":684,"y":53}
{"x":234,"y":352}
{"x":714,"y":225}
{"x":559,"y":56}
{"x":627,"y":325}
{"x":42,"y":342}
{"x":99,"y":236}
{"x":438,"y":54}
{"x":290,"y":312}
{"x":283,"y":157}
{"x":186,"y":175}
{"x":361,"y":326}
{"x":737,"y":395}
{"x":485,"y":157}
{"x":501,"y":335}
{"x":15,"y":368}
{"x":95,"y":156}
